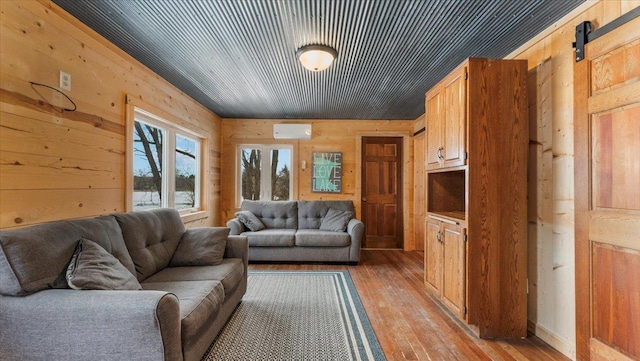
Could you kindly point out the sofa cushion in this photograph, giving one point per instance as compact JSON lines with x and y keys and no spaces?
{"x":318,"y":238}
{"x":151,"y":237}
{"x":202,"y":246}
{"x":274,"y":214}
{"x":93,"y":268}
{"x":311,"y":213}
{"x":271,"y":238}
{"x":200,"y":302}
{"x":336,"y":220}
{"x":36,"y":257}
{"x":229,"y":272}
{"x":250,"y":220}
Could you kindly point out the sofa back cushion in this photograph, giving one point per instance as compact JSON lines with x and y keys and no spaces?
{"x":311,"y":213}
{"x":274,"y":214}
{"x":35,"y":258}
{"x":151,"y":237}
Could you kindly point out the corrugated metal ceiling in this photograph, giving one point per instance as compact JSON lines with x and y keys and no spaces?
{"x":237,"y":57}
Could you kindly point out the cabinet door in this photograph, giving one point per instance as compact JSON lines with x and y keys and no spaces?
{"x":454,"y":265}
{"x":455,"y":119}
{"x":433,"y":256}
{"x":434,"y":128}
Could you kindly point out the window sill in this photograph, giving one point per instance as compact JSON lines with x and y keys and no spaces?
{"x":194,"y":216}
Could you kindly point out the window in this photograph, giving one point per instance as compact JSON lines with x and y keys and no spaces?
{"x":265,"y":172}
{"x":166,"y":165}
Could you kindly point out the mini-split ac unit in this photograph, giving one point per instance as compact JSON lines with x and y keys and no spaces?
{"x":292,"y":131}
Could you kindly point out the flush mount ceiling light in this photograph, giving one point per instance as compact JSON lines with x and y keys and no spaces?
{"x":316,"y":57}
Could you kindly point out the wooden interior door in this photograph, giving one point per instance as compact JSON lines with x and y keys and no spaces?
{"x":607,"y":178}
{"x":382,"y":192}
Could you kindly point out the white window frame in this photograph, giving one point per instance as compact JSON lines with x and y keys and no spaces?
{"x":265,"y":164}
{"x":170,"y":131}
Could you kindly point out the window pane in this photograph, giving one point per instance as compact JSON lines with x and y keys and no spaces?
{"x":280,"y":174}
{"x":187,"y":192}
{"x":147,"y":166}
{"x":250,"y":173}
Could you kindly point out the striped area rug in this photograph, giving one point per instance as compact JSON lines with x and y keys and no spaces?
{"x":298,"y":315}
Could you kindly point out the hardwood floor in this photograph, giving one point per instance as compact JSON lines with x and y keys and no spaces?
{"x":409,"y":324}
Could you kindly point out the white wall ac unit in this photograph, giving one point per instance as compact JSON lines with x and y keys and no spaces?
{"x":292,"y":131}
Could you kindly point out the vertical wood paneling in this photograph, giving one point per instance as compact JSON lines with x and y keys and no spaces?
{"x":419,"y":205}
{"x":57,"y":164}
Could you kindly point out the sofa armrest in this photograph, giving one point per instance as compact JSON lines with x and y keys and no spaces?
{"x":355,"y":228}
{"x":236,"y":226}
{"x":238,"y":247}
{"x":90,"y":325}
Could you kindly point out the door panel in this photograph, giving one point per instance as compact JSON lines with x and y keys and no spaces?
{"x":614,"y":292}
{"x":381,"y":192}
{"x":433,"y":256}
{"x":616,"y":148}
{"x":607,"y":178}
{"x":453,"y":259}
{"x":433,"y":126}
{"x":455,"y":105}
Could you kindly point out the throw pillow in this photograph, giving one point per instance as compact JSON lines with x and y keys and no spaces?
{"x":201,"y":247}
{"x":250,"y":220}
{"x":93,"y":268}
{"x":336,"y":220}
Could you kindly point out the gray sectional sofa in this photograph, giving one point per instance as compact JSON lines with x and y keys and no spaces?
{"x":300,"y":231}
{"x":182,"y":285}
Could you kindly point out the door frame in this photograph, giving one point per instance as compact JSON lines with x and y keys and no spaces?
{"x":407,"y":179}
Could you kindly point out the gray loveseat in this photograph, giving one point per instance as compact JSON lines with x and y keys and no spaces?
{"x":295,"y":231}
{"x":175,"y":316}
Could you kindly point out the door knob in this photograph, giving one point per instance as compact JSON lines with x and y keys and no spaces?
{"x":364,"y":199}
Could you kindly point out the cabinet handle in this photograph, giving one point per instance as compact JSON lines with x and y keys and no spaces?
{"x":440,"y":156}
{"x":439,"y":237}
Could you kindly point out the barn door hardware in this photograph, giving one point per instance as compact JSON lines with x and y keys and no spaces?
{"x":584,"y":33}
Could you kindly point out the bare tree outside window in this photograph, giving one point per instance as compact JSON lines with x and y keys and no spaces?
{"x":149,"y":181}
{"x":186,"y":166}
{"x":261,"y":179}
{"x":251,"y":159}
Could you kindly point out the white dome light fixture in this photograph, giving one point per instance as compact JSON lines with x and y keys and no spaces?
{"x":316,"y":57}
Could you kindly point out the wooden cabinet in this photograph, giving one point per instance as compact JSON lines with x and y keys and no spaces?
{"x":445,"y":121}
{"x":476,"y":195}
{"x":445,"y":263}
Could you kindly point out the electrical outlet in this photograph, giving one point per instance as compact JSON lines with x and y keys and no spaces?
{"x":65,"y":80}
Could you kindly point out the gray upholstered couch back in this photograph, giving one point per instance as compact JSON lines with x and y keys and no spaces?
{"x":151,"y":237}
{"x":311,"y":213}
{"x":294,"y":214}
{"x":36,"y":257}
{"x":281,"y":215}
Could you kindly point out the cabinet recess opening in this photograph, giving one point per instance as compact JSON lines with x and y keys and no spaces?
{"x":446,"y":193}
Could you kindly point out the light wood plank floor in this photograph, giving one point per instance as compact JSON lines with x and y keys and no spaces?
{"x":409,"y":324}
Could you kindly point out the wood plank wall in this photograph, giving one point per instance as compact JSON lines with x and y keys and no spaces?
{"x":327,"y":136}
{"x":58,"y":164}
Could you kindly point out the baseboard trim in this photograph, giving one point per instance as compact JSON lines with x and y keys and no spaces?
{"x":561,"y":344}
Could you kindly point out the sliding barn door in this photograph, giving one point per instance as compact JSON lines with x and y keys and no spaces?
{"x":607,"y":171}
